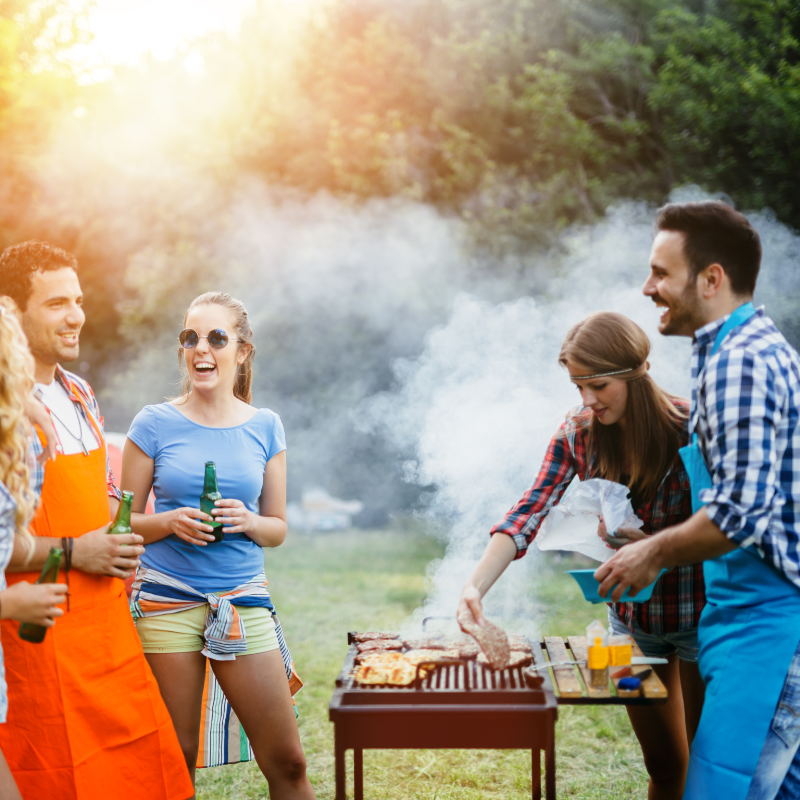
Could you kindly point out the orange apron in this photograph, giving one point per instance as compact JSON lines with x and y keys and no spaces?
{"x":86,"y":720}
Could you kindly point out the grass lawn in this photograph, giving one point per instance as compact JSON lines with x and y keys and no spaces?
{"x":326,"y":584}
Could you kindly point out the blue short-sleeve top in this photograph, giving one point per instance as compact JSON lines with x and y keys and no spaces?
{"x":180,"y":448}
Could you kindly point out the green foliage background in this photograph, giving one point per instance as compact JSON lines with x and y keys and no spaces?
{"x":515,"y":118}
{"x":520,"y":115}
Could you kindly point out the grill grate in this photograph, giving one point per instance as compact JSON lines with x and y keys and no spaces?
{"x":463,"y":676}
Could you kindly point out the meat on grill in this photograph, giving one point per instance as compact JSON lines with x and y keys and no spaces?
{"x":372,"y":635}
{"x":420,"y":656}
{"x":424,"y":643}
{"x":379,"y":644}
{"x":515,"y":659}
{"x":467,"y":648}
{"x":493,"y":640}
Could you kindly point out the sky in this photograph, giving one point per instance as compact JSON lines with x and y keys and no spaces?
{"x":126,"y":29}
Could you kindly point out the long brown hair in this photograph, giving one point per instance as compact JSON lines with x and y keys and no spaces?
{"x":16,"y":383}
{"x":607,"y":342}
{"x":242,"y":388}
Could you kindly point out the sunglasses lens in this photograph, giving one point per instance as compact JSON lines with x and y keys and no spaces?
{"x":217,"y":339}
{"x":188,"y":338}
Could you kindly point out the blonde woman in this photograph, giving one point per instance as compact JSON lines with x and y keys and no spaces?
{"x":627,"y":430}
{"x":22,"y":601}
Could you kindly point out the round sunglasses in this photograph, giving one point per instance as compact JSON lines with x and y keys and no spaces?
{"x":217,"y":339}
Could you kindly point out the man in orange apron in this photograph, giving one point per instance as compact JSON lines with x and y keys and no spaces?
{"x":86,"y":720}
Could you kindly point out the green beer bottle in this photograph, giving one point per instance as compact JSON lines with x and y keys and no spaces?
{"x":210,"y":494}
{"x":122,"y":522}
{"x":35,"y":633}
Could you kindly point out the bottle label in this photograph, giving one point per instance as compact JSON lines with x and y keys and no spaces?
{"x":619,"y":655}
{"x":597,"y":657}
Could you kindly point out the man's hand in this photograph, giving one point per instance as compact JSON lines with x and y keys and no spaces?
{"x":634,"y":566}
{"x":37,"y":413}
{"x":101,"y":554}
{"x":34,"y":603}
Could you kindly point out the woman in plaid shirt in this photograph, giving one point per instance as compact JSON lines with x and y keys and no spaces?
{"x":628,"y":430}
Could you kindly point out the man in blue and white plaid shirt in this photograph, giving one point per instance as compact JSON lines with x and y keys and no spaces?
{"x":746,"y":494}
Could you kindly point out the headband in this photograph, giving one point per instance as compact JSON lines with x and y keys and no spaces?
{"x":604,"y":374}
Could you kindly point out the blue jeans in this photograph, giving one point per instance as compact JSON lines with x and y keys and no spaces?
{"x":777,"y":775}
{"x":658,"y":645}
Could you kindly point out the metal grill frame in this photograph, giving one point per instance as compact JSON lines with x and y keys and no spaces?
{"x":506,"y":715}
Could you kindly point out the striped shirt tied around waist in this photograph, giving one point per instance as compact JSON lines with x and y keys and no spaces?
{"x":155,"y":593}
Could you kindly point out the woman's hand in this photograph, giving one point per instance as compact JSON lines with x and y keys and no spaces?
{"x":184,"y":524}
{"x":470,"y":606}
{"x":36,"y":603}
{"x":233,"y":514}
{"x":621,"y":537}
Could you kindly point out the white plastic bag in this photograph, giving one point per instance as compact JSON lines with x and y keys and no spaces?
{"x":572,"y":524}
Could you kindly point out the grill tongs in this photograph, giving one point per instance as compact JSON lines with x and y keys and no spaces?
{"x":442,"y":662}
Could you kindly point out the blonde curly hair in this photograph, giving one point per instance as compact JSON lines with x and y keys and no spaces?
{"x":16,"y":384}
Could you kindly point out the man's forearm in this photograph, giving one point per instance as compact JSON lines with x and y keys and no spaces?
{"x":25,"y":559}
{"x":695,"y":540}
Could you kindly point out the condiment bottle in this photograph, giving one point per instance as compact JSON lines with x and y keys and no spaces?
{"x":620,"y":650}
{"x":597,"y":654}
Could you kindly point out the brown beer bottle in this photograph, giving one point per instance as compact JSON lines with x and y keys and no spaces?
{"x":210,"y":494}
{"x":27,"y":630}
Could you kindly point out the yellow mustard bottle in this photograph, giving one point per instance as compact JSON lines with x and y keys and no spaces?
{"x":597,"y":654}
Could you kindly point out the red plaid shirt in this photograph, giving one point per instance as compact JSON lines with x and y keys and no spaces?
{"x":679,"y":596}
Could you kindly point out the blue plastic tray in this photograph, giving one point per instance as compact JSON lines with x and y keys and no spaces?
{"x":589,"y":587}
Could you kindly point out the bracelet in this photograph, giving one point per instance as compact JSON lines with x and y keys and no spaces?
{"x":66,"y":546}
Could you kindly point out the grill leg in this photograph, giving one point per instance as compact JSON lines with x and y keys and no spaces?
{"x":358,"y":774}
{"x":550,"y":771}
{"x":536,"y":777}
{"x":338,"y":758}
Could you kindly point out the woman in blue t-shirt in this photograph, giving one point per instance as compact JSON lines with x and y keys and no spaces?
{"x":194,"y":598}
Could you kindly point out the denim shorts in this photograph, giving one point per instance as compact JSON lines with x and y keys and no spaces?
{"x":777,"y":775}
{"x":657,"y":645}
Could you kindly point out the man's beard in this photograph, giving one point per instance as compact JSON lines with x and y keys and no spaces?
{"x":51,"y":351}
{"x":684,"y":316}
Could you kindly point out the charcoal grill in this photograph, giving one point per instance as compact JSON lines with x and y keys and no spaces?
{"x":461,"y":704}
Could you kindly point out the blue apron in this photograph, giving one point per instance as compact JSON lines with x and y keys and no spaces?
{"x":748,"y":633}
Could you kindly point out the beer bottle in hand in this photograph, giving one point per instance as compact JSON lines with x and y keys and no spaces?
{"x":122,"y":522}
{"x":210,"y":494}
{"x":35,"y":633}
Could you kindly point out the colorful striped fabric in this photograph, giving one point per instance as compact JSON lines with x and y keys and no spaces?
{"x":222,"y":738}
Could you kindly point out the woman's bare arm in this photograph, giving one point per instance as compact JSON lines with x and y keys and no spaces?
{"x":268,"y":527}
{"x":137,"y":477}
{"x":499,"y":553}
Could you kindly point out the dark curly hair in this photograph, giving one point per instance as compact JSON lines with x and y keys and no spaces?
{"x":20,"y":261}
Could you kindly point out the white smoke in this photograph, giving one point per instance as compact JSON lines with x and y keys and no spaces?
{"x":478,"y":407}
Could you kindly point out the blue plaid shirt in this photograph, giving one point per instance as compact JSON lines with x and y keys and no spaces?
{"x":745,"y":400}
